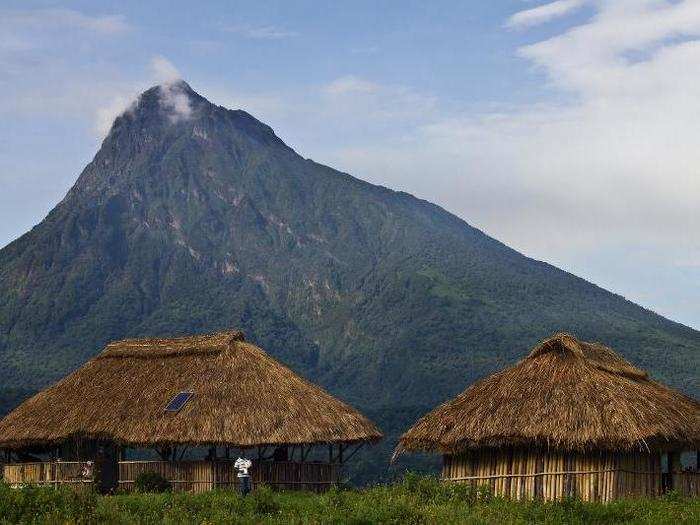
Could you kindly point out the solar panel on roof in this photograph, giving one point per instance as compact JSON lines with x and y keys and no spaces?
{"x":178,"y":401}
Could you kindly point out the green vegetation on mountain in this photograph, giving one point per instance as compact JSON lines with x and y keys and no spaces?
{"x":207,"y":221}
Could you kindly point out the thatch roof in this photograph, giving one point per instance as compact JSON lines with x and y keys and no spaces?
{"x":242,"y":398}
{"x":566,"y":394}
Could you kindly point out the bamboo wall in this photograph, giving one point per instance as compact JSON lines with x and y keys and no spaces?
{"x":200,"y":476}
{"x":48,"y":473}
{"x":528,"y":474}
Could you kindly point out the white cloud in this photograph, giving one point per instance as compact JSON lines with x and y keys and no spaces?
{"x":369,"y":101}
{"x":617,"y":162}
{"x":592,"y":60}
{"x":350,"y":84}
{"x":172,"y":97}
{"x":164,"y":71}
{"x":544,"y":13}
{"x":106,"y":114}
{"x":175,"y":101}
{"x":267,"y":32}
{"x":56,"y":18}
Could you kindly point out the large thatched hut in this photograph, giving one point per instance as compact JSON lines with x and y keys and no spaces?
{"x":571,"y":419}
{"x":209,"y":392}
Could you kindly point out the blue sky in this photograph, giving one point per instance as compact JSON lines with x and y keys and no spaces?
{"x":566,"y":129}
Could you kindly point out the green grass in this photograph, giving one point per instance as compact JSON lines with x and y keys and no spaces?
{"x":414,"y":500}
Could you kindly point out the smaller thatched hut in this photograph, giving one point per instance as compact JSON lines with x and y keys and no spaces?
{"x":571,"y":419}
{"x":213,"y":391}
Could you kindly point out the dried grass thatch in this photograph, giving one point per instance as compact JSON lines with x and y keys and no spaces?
{"x":566,"y":394}
{"x":242,"y":398}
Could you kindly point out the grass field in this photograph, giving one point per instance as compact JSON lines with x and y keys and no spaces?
{"x":414,"y":500}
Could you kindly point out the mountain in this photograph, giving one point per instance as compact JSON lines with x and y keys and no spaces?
{"x":193,"y":217}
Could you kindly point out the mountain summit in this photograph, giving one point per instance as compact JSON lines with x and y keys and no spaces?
{"x":196,"y":218}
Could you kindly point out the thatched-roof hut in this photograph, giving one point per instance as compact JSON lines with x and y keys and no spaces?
{"x":209,"y":390}
{"x":572,"y":418}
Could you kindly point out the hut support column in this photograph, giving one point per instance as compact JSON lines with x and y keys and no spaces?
{"x":305,"y":452}
{"x":674,"y":468}
{"x":212,"y":454}
{"x":339,"y":457}
{"x":165,"y":453}
{"x":355,"y":450}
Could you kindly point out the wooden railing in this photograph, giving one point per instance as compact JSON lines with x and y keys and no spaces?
{"x":687,"y":483}
{"x":49,"y":473}
{"x":200,"y":476}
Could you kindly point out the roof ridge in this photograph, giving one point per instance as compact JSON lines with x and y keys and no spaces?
{"x":153,"y":347}
{"x":237,"y":335}
{"x":561,"y":342}
{"x":594,"y":354}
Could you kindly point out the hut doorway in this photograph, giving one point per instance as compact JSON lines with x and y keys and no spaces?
{"x":107,"y":463}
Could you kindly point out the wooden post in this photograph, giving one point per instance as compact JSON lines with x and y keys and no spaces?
{"x":674,"y":468}
{"x":213,"y":470}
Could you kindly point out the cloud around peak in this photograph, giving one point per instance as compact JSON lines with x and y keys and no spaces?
{"x":164,"y":71}
{"x":173,"y":97}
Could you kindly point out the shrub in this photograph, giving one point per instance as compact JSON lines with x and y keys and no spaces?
{"x":425,"y":487}
{"x":264,"y":500}
{"x":151,"y":482}
{"x":334,"y":498}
